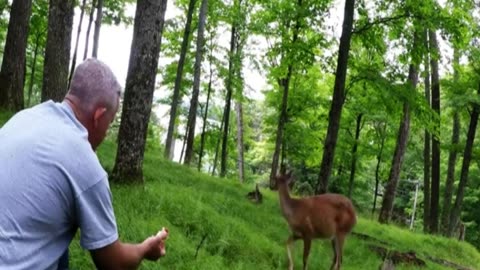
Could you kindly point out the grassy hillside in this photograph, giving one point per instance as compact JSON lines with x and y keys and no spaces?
{"x":213,"y":226}
{"x":237,"y":233}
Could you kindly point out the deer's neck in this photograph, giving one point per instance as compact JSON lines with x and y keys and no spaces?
{"x":285,"y":200}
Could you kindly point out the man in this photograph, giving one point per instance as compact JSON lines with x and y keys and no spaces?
{"x":51,"y":181}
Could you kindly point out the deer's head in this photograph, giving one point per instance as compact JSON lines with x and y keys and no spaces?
{"x":285,"y":179}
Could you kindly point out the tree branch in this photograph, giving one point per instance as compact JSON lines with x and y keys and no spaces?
{"x":386,"y":20}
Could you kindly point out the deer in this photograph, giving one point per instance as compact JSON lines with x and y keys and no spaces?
{"x":326,"y":216}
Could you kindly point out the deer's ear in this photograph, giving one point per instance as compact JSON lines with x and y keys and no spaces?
{"x":289,"y":174}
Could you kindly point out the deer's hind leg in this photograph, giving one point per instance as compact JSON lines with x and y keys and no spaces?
{"x":338,"y":250}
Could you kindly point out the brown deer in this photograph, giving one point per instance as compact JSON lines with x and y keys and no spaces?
{"x":327,"y":216}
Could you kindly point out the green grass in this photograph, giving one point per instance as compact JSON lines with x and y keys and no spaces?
{"x":239,"y":234}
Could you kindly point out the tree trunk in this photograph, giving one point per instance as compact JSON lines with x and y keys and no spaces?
{"x":217,"y":148}
{"x":467,"y":157}
{"x":427,"y":140}
{"x":452,"y":157}
{"x":192,"y":114}
{"x":33,"y":68}
{"x":435,"y":195}
{"x":400,"y":147}
{"x":57,"y":50}
{"x":182,"y":153}
{"x":87,"y":36}
{"x":202,"y":137}
{"x":338,"y":99}
{"x":12,"y":75}
{"x":79,"y":30}
{"x":240,"y":147}
{"x":170,"y":141}
{"x":98,"y":25}
{"x":140,"y":85}
{"x":353,"y":165}
{"x":285,"y":84}
{"x":228,"y":102}
{"x":377,"y":168}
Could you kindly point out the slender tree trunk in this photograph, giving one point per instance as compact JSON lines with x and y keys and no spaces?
{"x":353,"y":165}
{"x":401,"y":145}
{"x":427,"y":140}
{"x":240,"y":147}
{"x":184,"y":144}
{"x":217,"y":148}
{"x":170,"y":141}
{"x":435,"y":195}
{"x":467,"y":157}
{"x":202,"y":137}
{"x":98,"y":25}
{"x":57,"y":50}
{"x":192,"y":114}
{"x":452,"y":157}
{"x":33,"y":69}
{"x":282,"y":120}
{"x":228,"y":102}
{"x":140,"y":85}
{"x":79,"y":30}
{"x":335,"y":113}
{"x":377,"y":169}
{"x":12,"y":75}
{"x":90,"y":21}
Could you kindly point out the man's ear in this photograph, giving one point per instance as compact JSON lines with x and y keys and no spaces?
{"x":99,"y":113}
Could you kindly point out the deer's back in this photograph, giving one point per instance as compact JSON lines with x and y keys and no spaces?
{"x":323,"y":216}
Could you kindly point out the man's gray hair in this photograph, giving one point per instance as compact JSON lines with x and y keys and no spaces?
{"x":94,"y":84}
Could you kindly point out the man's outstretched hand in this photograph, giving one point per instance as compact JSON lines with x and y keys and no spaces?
{"x":155,"y":245}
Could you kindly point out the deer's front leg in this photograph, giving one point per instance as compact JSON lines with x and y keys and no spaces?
{"x":290,"y":242}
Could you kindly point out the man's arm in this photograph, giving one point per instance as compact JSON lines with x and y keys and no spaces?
{"x":120,"y":255}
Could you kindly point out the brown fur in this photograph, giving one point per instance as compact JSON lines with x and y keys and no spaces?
{"x":326,"y":216}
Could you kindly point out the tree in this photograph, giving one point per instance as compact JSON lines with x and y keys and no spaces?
{"x":240,"y":141}
{"x":452,"y":157}
{"x":467,"y":157}
{"x":169,"y":143}
{"x":353,"y":164}
{"x":192,"y":114}
{"x":400,"y":147}
{"x":140,"y":85}
{"x":228,"y":102}
{"x":435,"y":190}
{"x":12,"y":75}
{"x":79,"y":30}
{"x":98,"y":24}
{"x":284,"y":83}
{"x":338,"y":99}
{"x":209,"y":91}
{"x":57,"y":51}
{"x":90,"y":21}
{"x":427,"y":141}
{"x":35,"y":51}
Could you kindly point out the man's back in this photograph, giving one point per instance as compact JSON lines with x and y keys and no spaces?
{"x":49,"y":177}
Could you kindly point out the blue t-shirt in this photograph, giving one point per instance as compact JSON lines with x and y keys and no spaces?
{"x":51,"y":184}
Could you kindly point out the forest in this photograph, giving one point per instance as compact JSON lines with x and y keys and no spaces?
{"x":376,"y":100}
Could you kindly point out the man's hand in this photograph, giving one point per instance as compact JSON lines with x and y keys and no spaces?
{"x":155,"y":245}
{"x":129,"y":256}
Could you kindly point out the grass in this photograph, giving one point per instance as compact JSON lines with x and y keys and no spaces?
{"x":237,"y":234}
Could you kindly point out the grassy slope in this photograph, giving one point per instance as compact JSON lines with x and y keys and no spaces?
{"x":238,"y":234}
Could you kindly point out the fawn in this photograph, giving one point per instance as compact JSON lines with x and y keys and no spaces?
{"x":327,"y":216}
